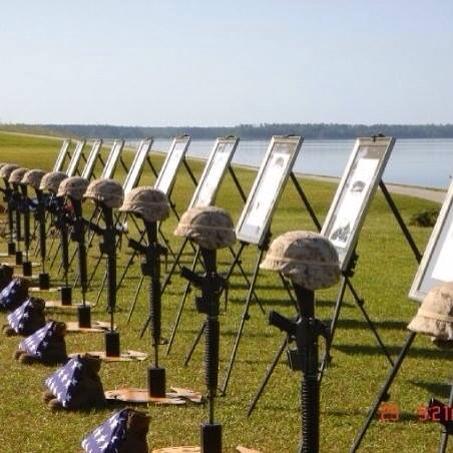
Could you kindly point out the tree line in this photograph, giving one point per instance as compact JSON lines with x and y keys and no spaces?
{"x":244,"y":131}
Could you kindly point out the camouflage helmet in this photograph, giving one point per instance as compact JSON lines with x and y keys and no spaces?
{"x":435,"y":315}
{"x":210,"y":227}
{"x":106,"y":191}
{"x":7,"y":169}
{"x":16,"y":175}
{"x":73,"y":187}
{"x":33,"y":178}
{"x":308,"y":259}
{"x":51,"y":181}
{"x":151,"y":204}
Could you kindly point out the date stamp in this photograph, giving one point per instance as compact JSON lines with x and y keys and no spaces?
{"x":437,"y":412}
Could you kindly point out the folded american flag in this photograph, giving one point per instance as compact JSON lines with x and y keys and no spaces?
{"x":107,"y":437}
{"x":37,"y":343}
{"x":9,"y":294}
{"x":20,"y":315}
{"x":63,"y":382}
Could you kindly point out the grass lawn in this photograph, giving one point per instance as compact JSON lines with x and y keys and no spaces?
{"x":383,"y":276}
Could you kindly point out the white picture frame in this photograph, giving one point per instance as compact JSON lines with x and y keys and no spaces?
{"x":76,"y":155}
{"x":170,"y":167}
{"x":112,"y":159}
{"x":62,"y":154}
{"x":436,"y":266}
{"x":135,"y":171}
{"x":358,"y":184}
{"x":214,"y":171}
{"x":267,"y":188}
{"x":88,"y":170}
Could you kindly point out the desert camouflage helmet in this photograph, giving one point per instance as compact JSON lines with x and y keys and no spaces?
{"x":74,"y":187}
{"x":435,"y":315}
{"x":149,"y":203}
{"x":33,"y":178}
{"x":16,"y":175}
{"x":7,"y":169}
{"x":51,"y":181}
{"x":308,"y":259}
{"x":105,"y":191}
{"x":210,"y":227}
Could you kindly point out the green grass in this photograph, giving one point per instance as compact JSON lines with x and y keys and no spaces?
{"x":383,"y":277}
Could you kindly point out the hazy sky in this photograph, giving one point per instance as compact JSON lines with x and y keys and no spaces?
{"x":219,"y":62}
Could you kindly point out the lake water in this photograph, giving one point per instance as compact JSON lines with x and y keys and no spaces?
{"x":420,"y":162}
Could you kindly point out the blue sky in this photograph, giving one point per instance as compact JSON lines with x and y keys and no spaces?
{"x":183,"y":62}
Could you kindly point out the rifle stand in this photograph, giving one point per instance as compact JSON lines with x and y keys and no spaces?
{"x":211,"y":285}
{"x":78,"y":235}
{"x":156,"y":392}
{"x":8,"y":193}
{"x":177,"y":258}
{"x":27,"y":268}
{"x":108,"y":247}
{"x":40,"y":215}
{"x":305,"y":331}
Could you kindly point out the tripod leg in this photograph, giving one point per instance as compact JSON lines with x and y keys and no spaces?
{"x":52,"y":244}
{"x":383,"y":392}
{"x":444,"y":436}
{"x":93,"y":273}
{"x":267,"y":376}
{"x":126,"y":268}
{"x":244,"y":274}
{"x":167,"y":243}
{"x":134,"y":301}
{"x":57,"y":252}
{"x":173,"y":267}
{"x":181,"y":305}
{"x":370,"y":323}
{"x":194,"y":344}
{"x":245,"y":316}
{"x":333,"y":325}
{"x":98,"y":296}
{"x":288,"y":289}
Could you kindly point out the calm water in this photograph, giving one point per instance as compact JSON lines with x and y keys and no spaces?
{"x":427,"y":162}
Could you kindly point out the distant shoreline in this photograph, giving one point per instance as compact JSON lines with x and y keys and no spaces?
{"x":310,"y":131}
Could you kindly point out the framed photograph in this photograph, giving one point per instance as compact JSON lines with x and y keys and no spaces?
{"x":62,"y":155}
{"x":354,"y":194}
{"x":92,"y":158}
{"x":171,"y":164}
{"x":267,"y":188}
{"x":135,"y":171}
{"x":112,"y":159}
{"x":436,"y":266}
{"x":76,"y":155}
{"x":214,"y":171}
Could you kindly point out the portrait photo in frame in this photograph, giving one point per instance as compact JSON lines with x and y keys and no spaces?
{"x":76,"y":155}
{"x":112,"y":159}
{"x":267,"y":188}
{"x":92,"y":158}
{"x":214,"y":171}
{"x":136,"y":168}
{"x":172,"y":162}
{"x":436,"y":265}
{"x":62,"y":154}
{"x":354,"y":194}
